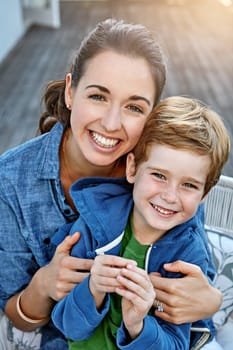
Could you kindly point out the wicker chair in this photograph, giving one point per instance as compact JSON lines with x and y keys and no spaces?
{"x":219,"y":228}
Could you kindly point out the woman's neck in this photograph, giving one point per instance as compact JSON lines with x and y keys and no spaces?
{"x":73,"y":167}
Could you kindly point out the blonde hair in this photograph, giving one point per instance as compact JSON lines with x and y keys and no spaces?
{"x":187,"y":124}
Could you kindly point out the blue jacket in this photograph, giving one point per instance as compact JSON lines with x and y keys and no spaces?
{"x":104,"y":206}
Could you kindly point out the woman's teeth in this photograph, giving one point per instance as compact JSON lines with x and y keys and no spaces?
{"x":103,"y":141}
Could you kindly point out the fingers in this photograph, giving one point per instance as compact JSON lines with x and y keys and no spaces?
{"x":112,"y":260}
{"x":109,"y":266}
{"x":137,"y":285}
{"x":76,"y":264}
{"x":183,"y":267}
{"x":182,"y":297}
{"x":64,"y":271}
{"x":105,"y":270}
{"x":66,"y":246}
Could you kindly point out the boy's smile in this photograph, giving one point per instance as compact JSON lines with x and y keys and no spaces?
{"x":168,"y":188}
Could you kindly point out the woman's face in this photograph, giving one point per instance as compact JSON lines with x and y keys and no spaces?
{"x":109,"y":107}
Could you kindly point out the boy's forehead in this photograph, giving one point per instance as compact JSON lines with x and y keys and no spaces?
{"x":175,"y":160}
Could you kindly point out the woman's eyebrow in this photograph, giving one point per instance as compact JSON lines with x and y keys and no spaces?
{"x":104,"y":89}
{"x":136,"y":98}
{"x":100,"y":87}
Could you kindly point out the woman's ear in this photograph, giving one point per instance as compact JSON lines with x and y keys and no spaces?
{"x":130,"y":168}
{"x":68,"y":91}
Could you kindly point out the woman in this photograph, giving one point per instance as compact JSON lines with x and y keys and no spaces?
{"x":116,"y":78}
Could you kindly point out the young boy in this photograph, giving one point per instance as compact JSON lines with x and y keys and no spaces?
{"x":133,"y":227}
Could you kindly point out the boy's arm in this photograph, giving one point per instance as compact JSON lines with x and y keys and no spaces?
{"x":76,"y":315}
{"x":155,"y":335}
{"x":138,"y":330}
{"x":157,"y":332}
{"x":82,"y":310}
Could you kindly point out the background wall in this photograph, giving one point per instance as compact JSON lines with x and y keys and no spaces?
{"x":11,"y":25}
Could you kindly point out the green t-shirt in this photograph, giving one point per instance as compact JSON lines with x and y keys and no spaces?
{"x":104,"y":337}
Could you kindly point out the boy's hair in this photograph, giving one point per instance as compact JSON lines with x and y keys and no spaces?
{"x":187,"y":124}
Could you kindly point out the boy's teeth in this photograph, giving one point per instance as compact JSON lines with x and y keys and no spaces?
{"x":162,"y":210}
{"x":103,"y":141}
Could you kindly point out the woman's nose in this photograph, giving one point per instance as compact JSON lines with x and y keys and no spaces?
{"x":112,"y":120}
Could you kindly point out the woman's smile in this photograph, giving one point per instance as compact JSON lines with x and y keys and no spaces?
{"x":103,"y":141}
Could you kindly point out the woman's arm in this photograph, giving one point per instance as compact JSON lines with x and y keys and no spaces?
{"x":49,"y":284}
{"x":186,"y":299}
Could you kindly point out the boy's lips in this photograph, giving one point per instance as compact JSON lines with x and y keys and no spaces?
{"x":104,"y":141}
{"x":162,"y":210}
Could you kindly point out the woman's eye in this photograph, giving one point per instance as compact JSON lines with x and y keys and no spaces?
{"x":97,"y":97}
{"x":134,"y":108}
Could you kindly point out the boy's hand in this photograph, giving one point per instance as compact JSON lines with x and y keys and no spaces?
{"x":137,"y":297}
{"x":104,"y":272}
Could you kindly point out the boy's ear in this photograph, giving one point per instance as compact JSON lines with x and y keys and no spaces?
{"x":68,"y":91}
{"x":130,"y":168}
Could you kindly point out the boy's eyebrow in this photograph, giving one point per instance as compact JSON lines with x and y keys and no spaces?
{"x":191,"y":179}
{"x":104,"y":89}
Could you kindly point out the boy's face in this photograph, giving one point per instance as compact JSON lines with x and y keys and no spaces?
{"x":168,"y":189}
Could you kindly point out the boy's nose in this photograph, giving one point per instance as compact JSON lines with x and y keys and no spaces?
{"x":169,"y":195}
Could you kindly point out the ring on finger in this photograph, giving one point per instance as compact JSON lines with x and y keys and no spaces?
{"x":159,"y":306}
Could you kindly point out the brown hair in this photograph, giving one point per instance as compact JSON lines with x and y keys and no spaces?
{"x":129,"y":39}
{"x":186,"y":123}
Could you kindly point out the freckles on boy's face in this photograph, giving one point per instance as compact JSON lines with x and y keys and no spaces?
{"x":168,"y":187}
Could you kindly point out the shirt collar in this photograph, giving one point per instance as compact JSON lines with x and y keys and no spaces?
{"x":48,"y":155}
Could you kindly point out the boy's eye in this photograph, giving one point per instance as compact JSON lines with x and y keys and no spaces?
{"x":159,"y":176}
{"x":190,"y":185}
{"x":135,"y":108}
{"x":97,"y":97}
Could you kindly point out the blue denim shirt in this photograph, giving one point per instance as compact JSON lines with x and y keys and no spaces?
{"x":32,"y":207}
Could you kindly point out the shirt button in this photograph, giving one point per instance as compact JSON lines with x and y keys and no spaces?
{"x":67,"y":211}
{"x":46,"y":240}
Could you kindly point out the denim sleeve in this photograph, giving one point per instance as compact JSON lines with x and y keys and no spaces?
{"x":17,"y":264}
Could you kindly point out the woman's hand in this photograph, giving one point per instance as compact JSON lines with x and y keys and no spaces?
{"x":50,"y":283}
{"x":186,"y":299}
{"x":138,"y":296}
{"x":64,"y":271}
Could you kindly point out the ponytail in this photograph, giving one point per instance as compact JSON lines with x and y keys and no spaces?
{"x":55,"y":107}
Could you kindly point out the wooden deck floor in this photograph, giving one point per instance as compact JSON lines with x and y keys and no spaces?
{"x":196,"y":35}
